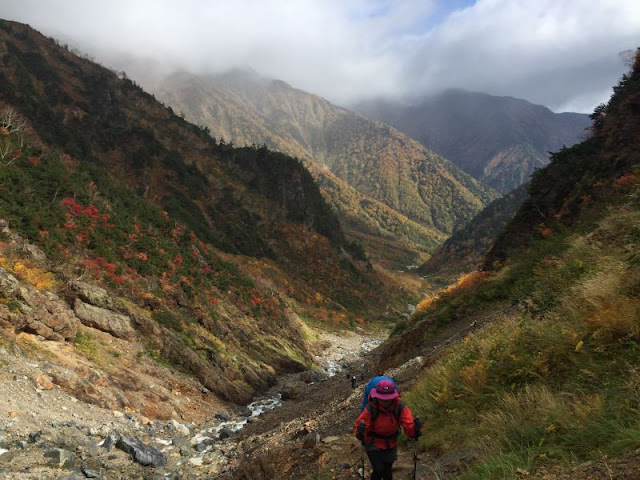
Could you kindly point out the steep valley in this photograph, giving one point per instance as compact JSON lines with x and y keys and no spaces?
{"x":155,"y":281}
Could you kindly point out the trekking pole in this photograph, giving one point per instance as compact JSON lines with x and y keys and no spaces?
{"x":418,"y":427}
{"x":361,"y":438}
{"x":415,"y":458}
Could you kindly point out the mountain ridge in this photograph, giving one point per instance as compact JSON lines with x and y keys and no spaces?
{"x":512,"y":140}
{"x":376,"y":160}
{"x":200,"y":246}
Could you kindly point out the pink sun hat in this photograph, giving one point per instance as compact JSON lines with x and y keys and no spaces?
{"x":385,"y":390}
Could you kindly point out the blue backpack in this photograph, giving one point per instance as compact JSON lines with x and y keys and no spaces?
{"x":371,"y":385}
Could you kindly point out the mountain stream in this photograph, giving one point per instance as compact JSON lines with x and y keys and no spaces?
{"x":342,"y":355}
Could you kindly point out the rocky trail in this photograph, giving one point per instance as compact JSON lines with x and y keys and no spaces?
{"x":48,"y":434}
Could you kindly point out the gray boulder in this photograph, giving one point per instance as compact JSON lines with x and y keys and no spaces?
{"x":60,"y":457}
{"x":103,"y":319}
{"x":141,"y":453}
{"x":92,"y":294}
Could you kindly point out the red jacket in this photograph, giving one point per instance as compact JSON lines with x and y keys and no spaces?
{"x":382,"y":432}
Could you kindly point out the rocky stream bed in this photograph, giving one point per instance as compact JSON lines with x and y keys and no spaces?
{"x":45,"y":433}
{"x":300,"y":429}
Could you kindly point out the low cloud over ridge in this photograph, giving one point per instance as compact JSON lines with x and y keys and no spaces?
{"x":559,"y":53}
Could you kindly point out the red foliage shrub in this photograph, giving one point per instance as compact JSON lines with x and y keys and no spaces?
{"x":255,"y":301}
{"x":82,"y":236}
{"x":627,"y":180}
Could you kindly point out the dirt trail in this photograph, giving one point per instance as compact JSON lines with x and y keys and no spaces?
{"x":311,"y":437}
{"x":308,"y":437}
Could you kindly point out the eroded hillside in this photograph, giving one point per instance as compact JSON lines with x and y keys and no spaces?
{"x":206,"y":253}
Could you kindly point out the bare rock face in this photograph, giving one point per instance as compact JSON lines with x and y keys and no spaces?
{"x":103,"y":319}
{"x":8,"y":283}
{"x":7,"y":318}
{"x":94,"y":307}
{"x":92,"y":294}
{"x":49,"y":313}
{"x":87,"y":386}
{"x":42,"y":313}
{"x":33,"y":311}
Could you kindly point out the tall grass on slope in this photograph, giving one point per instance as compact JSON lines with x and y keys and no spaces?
{"x":557,"y":381}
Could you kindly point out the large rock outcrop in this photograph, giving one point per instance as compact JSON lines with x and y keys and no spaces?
{"x":33,"y":311}
{"x":103,"y":319}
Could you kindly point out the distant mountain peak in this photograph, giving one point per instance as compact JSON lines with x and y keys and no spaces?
{"x":478,"y":132}
{"x":371,"y":160}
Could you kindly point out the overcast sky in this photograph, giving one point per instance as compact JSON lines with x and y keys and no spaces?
{"x":564,"y":54}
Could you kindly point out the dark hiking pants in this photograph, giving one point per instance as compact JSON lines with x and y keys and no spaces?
{"x":382,"y":462}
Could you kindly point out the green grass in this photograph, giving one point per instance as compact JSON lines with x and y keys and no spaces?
{"x":501,"y":466}
{"x":85,"y":342}
{"x":155,"y":356}
{"x":555,"y":381}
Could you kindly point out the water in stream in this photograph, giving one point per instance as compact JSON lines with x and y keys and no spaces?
{"x":334,"y":363}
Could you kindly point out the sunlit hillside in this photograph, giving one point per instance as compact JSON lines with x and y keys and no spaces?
{"x":383,"y":185}
{"x":208,"y":254}
{"x":543,"y":364}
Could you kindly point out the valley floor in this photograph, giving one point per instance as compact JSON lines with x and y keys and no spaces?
{"x":311,"y":438}
{"x":47,"y":434}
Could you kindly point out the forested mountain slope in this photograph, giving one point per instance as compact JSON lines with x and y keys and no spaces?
{"x":497,"y":140}
{"x":465,"y":250}
{"x":205,"y":252}
{"x":430,"y":195}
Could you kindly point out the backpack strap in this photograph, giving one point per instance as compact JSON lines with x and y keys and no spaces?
{"x":374,"y":411}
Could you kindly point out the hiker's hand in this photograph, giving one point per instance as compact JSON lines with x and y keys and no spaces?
{"x":360,"y":433}
{"x":417,"y":427}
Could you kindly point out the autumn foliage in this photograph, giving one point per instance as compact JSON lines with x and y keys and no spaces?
{"x":466,"y":283}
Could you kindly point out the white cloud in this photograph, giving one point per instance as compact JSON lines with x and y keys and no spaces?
{"x":559,"y":53}
{"x":548,"y":52}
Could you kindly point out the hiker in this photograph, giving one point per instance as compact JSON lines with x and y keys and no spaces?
{"x":353,"y":382}
{"x":378,"y":428}
{"x":362,"y":376}
{"x":371,"y":385}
